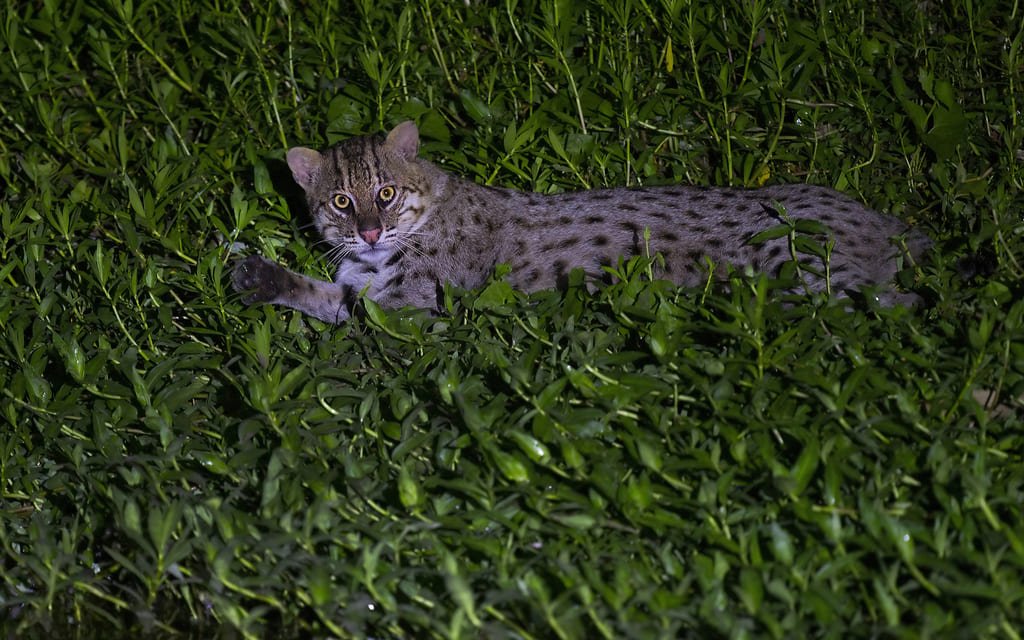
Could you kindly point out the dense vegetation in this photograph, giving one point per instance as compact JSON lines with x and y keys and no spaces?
{"x":637,"y":461}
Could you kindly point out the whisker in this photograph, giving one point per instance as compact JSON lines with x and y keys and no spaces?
{"x":416,"y":249}
{"x":337,"y":253}
{"x":411,"y":247}
{"x":412,"y":234}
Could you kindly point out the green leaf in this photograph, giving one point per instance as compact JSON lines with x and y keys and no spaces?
{"x":510,"y":466}
{"x":409,"y":490}
{"x":805,"y":467}
{"x":459,"y":589}
{"x":771,"y":233}
{"x":533,"y":448}
{"x":781,"y":544}
{"x":477,"y":109}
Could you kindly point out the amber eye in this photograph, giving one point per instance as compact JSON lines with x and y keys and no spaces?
{"x":386,"y":194}
{"x":342,"y":201}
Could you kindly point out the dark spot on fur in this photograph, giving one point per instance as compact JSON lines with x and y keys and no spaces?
{"x":565,"y":220}
{"x":628,"y":207}
{"x":396,"y":280}
{"x":600,"y":241}
{"x":594,"y":219}
{"x":729,"y":223}
{"x":561,"y":278}
{"x":670,"y":236}
{"x":347,"y":297}
{"x":601,"y":195}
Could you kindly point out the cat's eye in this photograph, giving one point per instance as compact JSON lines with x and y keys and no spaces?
{"x":342,"y":202}
{"x":386,"y":194}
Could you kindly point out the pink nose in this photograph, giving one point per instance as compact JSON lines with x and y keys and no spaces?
{"x":370,"y":236}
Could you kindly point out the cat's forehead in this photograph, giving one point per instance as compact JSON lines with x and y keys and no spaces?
{"x":358,"y":161}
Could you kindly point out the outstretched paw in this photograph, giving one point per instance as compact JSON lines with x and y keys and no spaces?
{"x":259,"y":279}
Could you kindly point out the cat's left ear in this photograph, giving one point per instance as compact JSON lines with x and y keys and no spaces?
{"x":404,"y":140}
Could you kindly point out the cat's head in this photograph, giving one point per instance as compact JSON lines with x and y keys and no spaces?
{"x":363,"y":193}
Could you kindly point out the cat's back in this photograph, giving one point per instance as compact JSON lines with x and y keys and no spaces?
{"x":689,"y":204}
{"x":715,"y":213}
{"x":543,"y":236}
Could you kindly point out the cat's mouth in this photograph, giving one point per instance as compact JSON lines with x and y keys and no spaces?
{"x":368,"y":247}
{"x":376,"y":251}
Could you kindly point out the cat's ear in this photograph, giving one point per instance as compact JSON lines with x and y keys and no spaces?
{"x":404,"y":140}
{"x":305,"y":165}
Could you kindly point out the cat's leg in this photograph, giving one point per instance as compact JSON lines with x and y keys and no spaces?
{"x":418,"y":290}
{"x":265,"y":281}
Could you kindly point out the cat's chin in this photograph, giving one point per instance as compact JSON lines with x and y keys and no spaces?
{"x":375,"y":254}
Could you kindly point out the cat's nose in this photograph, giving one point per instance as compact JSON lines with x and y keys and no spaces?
{"x":370,"y":236}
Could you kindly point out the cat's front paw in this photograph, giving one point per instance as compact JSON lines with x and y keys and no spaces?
{"x":259,"y":279}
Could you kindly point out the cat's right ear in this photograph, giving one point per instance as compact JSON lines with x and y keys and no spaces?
{"x":305,"y":165}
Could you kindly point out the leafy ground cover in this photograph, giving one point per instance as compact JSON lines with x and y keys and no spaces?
{"x":638,"y":461}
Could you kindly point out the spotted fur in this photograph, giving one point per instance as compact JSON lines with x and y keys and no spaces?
{"x":398,"y":226}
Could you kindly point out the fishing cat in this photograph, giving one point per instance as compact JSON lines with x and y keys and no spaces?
{"x":399,"y":226}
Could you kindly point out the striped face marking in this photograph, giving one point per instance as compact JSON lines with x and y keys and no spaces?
{"x":364,"y":199}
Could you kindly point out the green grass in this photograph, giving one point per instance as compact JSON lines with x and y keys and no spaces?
{"x":640,"y":461}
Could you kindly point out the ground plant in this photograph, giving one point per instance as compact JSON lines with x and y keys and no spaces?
{"x":632,"y":461}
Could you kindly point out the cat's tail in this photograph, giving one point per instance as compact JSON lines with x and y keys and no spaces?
{"x":980,"y":264}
